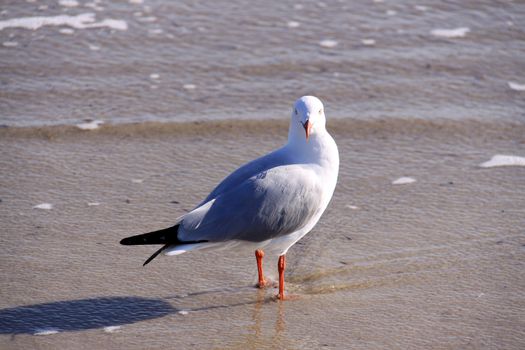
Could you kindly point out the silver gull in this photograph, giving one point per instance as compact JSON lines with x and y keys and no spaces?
{"x":267,"y":204}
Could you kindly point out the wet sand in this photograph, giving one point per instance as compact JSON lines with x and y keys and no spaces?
{"x":437,"y":263}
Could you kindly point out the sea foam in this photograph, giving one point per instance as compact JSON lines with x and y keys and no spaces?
{"x":44,"y":206}
{"x":111,"y":329}
{"x":328,"y":43}
{"x":68,"y":3}
{"x":82,"y":21}
{"x":46,"y":331}
{"x":516,"y":86}
{"x":503,"y":160}
{"x":90,"y":125}
{"x":403,"y":180}
{"x":451,"y":33}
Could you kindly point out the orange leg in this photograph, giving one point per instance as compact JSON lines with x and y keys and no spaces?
{"x":259,"y":255}
{"x":281,"y":265}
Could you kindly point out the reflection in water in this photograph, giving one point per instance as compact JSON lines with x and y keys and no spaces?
{"x":280,"y":325}
{"x":75,"y":315}
{"x":258,"y":338}
{"x":267,"y":326}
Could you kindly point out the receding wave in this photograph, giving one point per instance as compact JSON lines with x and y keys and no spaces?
{"x":344,"y":126}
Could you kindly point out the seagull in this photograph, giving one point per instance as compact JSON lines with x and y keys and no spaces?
{"x":267,"y":204}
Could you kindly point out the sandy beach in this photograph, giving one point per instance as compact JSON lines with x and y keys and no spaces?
{"x":436,"y":263}
{"x":117,"y":117}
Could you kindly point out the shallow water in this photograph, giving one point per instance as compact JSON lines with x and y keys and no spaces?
{"x":230,"y":60}
{"x":187,"y":93}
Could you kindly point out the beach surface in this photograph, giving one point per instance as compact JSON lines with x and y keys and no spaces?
{"x":117,"y":117}
{"x":434,"y":263}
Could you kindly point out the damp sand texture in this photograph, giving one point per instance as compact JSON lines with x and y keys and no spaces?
{"x":116,"y":117}
{"x":436,"y":263}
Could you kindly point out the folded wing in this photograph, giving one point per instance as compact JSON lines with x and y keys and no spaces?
{"x":273,"y":203}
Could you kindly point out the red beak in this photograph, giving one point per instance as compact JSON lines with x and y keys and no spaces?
{"x":307,"y":128}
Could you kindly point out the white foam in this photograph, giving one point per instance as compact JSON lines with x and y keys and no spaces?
{"x":298,"y":6}
{"x":328,"y":43}
{"x":90,"y":125}
{"x":183,"y":312}
{"x":137,"y":181}
{"x":421,"y":8}
{"x":189,"y":86}
{"x":68,"y":3}
{"x":67,"y":31}
{"x":10,"y":43}
{"x":46,"y":331}
{"x":353,"y":207}
{"x":516,"y":86}
{"x":82,"y":21}
{"x":154,"y":76}
{"x":391,"y":13}
{"x":111,"y":329}
{"x":93,"y":204}
{"x":503,"y":160}
{"x":450,"y":33}
{"x":368,"y":42}
{"x":110,"y":23}
{"x":93,"y":47}
{"x":94,"y":6}
{"x":44,"y":206}
{"x":403,"y":180}
{"x":136,"y":1}
{"x":293,"y":24}
{"x":148,"y":19}
{"x":156,"y":31}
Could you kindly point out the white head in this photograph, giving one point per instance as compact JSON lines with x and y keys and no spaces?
{"x":308,"y":118}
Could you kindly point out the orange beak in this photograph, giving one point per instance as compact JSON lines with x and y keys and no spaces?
{"x":307,"y":128}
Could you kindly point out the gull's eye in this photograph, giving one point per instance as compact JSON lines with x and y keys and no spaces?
{"x":295,"y":111}
{"x":321,"y":111}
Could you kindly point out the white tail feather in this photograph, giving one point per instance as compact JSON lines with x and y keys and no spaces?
{"x":183,"y":248}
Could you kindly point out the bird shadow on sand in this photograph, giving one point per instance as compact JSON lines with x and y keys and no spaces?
{"x":83,"y":314}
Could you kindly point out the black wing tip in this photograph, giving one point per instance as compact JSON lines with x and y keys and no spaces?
{"x":164,"y":236}
{"x":154,"y":255}
{"x":126,"y":241}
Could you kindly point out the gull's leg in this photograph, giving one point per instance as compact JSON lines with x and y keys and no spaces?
{"x":281,"y":265}
{"x":259,"y":255}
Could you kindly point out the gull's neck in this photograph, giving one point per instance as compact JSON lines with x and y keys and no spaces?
{"x":320,"y":147}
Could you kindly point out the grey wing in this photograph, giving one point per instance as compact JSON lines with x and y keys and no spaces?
{"x":246,"y":171}
{"x":276,"y":202}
